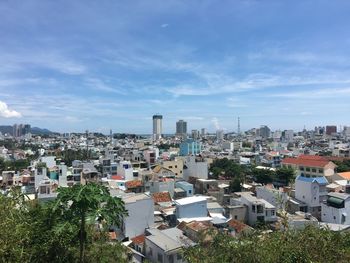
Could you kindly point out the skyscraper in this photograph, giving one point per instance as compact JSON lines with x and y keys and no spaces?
{"x":181,"y":128}
{"x":157,"y":127}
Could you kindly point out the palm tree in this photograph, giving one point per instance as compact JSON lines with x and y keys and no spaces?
{"x":87,"y":204}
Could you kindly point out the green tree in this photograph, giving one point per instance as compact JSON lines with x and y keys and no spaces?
{"x":285,"y":175}
{"x":311,"y":244}
{"x":235,"y":185}
{"x":84,"y":204}
{"x":263,"y":176}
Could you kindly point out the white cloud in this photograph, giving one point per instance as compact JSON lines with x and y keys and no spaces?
{"x":164,"y":25}
{"x":7,"y":113}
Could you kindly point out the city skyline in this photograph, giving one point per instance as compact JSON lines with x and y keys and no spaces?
{"x":100,"y":66}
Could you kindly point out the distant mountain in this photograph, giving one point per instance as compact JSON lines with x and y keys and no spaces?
{"x":38,"y":131}
{"x":34,"y":130}
{"x":6,"y":129}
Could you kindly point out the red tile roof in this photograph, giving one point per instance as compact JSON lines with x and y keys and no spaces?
{"x":198,"y":226}
{"x":138,"y":240}
{"x":117,"y":177}
{"x":161,"y":197}
{"x":307,"y":160}
{"x":237,"y":225}
{"x":345,"y":175}
{"x":133,"y":184}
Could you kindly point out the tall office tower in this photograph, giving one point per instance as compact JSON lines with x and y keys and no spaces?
{"x":264,"y":131}
{"x":14,"y":131}
{"x":203,"y":133}
{"x":181,"y":129}
{"x":195,"y":134}
{"x":26,"y":129}
{"x":219,"y":135}
{"x":157,"y":127}
{"x":331,"y":129}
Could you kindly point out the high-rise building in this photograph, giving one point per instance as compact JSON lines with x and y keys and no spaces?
{"x":157,"y":127}
{"x":220,"y":135}
{"x":331,"y":129}
{"x":264,"y":131}
{"x":181,"y":129}
{"x":195,"y":134}
{"x":20,"y":130}
{"x":203,"y":132}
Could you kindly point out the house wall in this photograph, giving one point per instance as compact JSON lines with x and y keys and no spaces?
{"x":198,"y":209}
{"x":153,"y":257}
{"x":238,"y":213}
{"x":141,"y":216}
{"x":335,"y":215}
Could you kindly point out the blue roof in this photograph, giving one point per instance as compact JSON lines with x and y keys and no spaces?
{"x":319,"y":180}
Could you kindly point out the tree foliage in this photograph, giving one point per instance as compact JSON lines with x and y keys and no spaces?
{"x":343,"y":166}
{"x":308,"y":245}
{"x":84,"y":204}
{"x":45,"y":232}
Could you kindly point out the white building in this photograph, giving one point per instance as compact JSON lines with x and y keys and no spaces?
{"x":191,"y":207}
{"x":194,"y":168}
{"x":125,"y":169}
{"x":336,"y":209}
{"x":311,"y":191}
{"x":157,"y":127}
{"x":259,"y":210}
{"x":166,"y":245}
{"x":140,"y":208}
{"x":220,"y":135}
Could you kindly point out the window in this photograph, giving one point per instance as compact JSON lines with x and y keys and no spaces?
{"x":307,"y":169}
{"x":236,"y":217}
{"x":320,"y":171}
{"x":150,"y":251}
{"x":272,"y":212}
{"x":175,"y":166}
{"x":178,"y":257}
{"x":190,"y":191}
{"x":170,"y":167}
{"x":301,"y":168}
{"x":160,"y":258}
{"x":171,"y":258}
{"x":253,"y":208}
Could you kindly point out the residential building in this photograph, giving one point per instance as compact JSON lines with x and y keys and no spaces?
{"x":196,"y":168}
{"x":336,"y":209}
{"x":165,"y":246}
{"x":259,"y":210}
{"x":187,"y":187}
{"x":176,"y":167}
{"x":191,"y":207}
{"x":311,"y":191}
{"x":190,"y":147}
{"x":140,"y":209}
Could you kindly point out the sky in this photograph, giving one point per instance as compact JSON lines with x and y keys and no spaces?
{"x":74,"y":65}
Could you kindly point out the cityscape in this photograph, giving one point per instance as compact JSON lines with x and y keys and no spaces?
{"x":174,"y":131}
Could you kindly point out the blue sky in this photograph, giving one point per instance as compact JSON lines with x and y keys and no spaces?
{"x":100,"y":65}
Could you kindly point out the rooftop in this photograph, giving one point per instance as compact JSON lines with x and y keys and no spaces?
{"x":190,"y":200}
{"x":345,"y":175}
{"x":320,"y":180}
{"x":161,"y":197}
